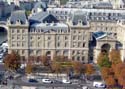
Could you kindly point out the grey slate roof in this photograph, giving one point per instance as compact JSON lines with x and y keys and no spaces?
{"x":39,"y":16}
{"x":99,"y":34}
{"x":42,"y":17}
{"x":18,"y":16}
{"x":47,"y":27}
{"x":79,"y":16}
{"x":40,"y":4}
{"x":103,"y":5}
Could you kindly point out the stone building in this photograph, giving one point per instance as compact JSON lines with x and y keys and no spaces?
{"x":78,"y":34}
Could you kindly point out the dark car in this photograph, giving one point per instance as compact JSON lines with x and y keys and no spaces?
{"x":33,"y":80}
{"x":57,"y":82}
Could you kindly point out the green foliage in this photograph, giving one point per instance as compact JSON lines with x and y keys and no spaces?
{"x":28,"y":13}
{"x":103,"y":60}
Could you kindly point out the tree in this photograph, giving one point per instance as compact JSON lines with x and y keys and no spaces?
{"x":106,"y":72}
{"x":115,"y":56}
{"x":89,"y":69}
{"x":56,"y":67}
{"x":29,"y":68}
{"x":12,"y":61}
{"x":45,"y":60}
{"x":60,"y":58}
{"x":103,"y":60}
{"x":110,"y":81}
{"x":77,"y":67}
{"x":118,"y":69}
{"x":120,"y":73}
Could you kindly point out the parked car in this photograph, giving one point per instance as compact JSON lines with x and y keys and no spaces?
{"x":85,"y":87}
{"x":46,"y":81}
{"x":33,"y":80}
{"x":57,"y":82}
{"x":99,"y":84}
{"x":66,"y":81}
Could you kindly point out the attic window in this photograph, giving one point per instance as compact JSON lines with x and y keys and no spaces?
{"x":75,"y":23}
{"x":84,"y":23}
{"x":21,"y":22}
{"x":80,"y":21}
{"x":12,"y":22}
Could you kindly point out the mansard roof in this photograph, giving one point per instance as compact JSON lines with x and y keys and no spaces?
{"x":106,"y":5}
{"x":79,"y":16}
{"x":43,"y":17}
{"x":47,"y":27}
{"x":40,"y":4}
{"x":18,"y":16}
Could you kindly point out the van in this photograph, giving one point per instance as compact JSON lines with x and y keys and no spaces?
{"x":99,"y":84}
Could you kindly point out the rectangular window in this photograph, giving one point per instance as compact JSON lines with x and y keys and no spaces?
{"x":58,"y":37}
{"x":18,"y":31}
{"x":79,"y":44}
{"x":74,"y":44}
{"x":83,"y":44}
{"x":31,"y":37}
{"x":18,"y":37}
{"x":66,"y":37}
{"x":78,"y":58}
{"x":83,"y":58}
{"x":23,"y":51}
{"x":13,"y":44}
{"x":73,"y":52}
{"x":74,"y":31}
{"x":23,"y":37}
{"x":74,"y":37}
{"x":12,"y":30}
{"x":38,"y":37}
{"x":23,"y":30}
{"x":18,"y":44}
{"x":13,"y":37}
{"x":31,"y":44}
{"x":38,"y":44}
{"x":66,"y":44}
{"x":79,"y":37}
{"x":49,"y":37}
{"x":58,"y":44}
{"x":49,"y":44}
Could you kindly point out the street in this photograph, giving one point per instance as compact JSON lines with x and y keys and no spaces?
{"x":23,"y":81}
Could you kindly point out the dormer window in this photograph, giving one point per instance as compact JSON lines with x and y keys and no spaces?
{"x":84,"y":23}
{"x":12,"y":22}
{"x":75,"y":23}
{"x":80,"y":21}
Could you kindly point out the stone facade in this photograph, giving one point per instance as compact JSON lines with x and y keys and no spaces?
{"x":73,"y":39}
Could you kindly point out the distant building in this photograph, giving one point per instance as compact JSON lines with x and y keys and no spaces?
{"x":5,"y":10}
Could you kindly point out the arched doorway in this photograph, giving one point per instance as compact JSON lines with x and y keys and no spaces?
{"x":3,"y":35}
{"x":105,"y":48}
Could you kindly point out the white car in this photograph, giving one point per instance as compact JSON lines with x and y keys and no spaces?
{"x":99,"y":84}
{"x":85,"y":87}
{"x":66,"y":81}
{"x":46,"y":81}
